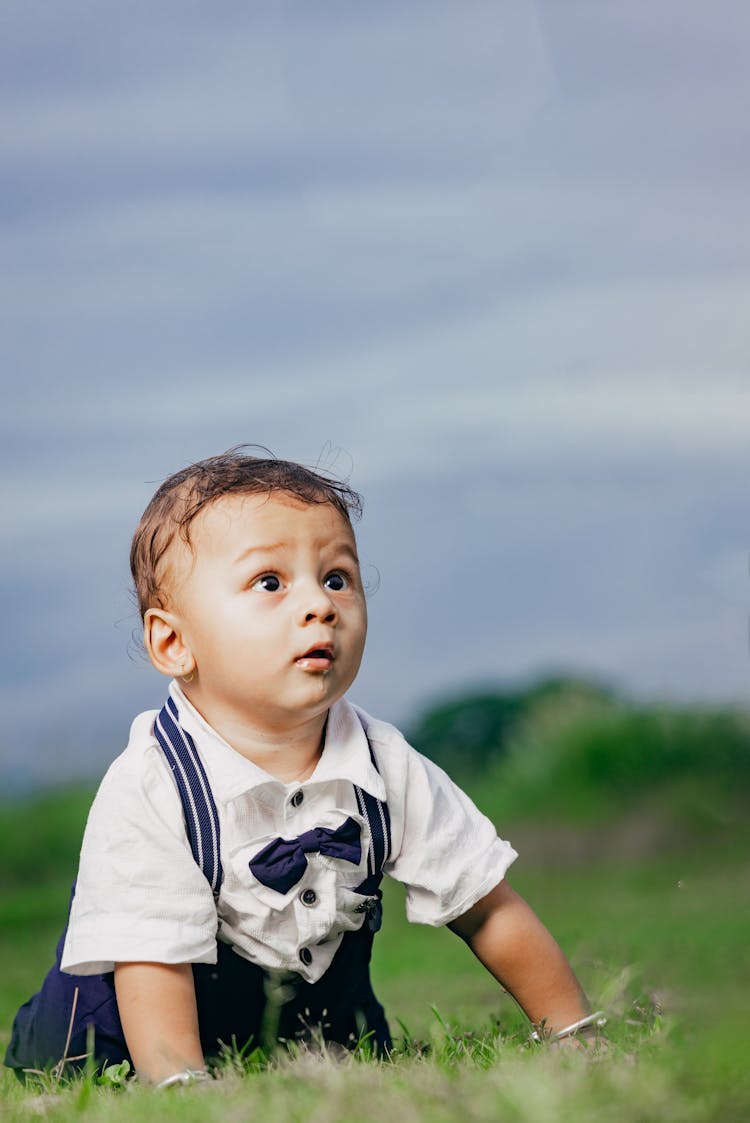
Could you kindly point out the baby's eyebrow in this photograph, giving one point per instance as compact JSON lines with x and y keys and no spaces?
{"x":345,"y":548}
{"x":265,"y":548}
{"x":272,"y":547}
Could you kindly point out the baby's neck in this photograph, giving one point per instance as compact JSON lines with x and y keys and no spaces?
{"x":284,"y":758}
{"x":289,"y":753}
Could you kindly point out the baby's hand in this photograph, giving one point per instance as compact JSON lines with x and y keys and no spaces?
{"x":593,"y":1043}
{"x":584,"y":1035}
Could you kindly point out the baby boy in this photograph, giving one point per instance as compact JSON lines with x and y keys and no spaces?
{"x":234,"y":851}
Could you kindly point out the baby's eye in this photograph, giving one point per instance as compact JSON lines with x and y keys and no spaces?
{"x":268,"y":583}
{"x":336,"y":581}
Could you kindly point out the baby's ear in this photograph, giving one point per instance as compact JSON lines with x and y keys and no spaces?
{"x":165,"y":645}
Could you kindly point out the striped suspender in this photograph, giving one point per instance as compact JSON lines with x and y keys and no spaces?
{"x":376,"y":815}
{"x":202,"y":818}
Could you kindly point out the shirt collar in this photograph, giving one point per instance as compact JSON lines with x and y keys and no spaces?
{"x":346,"y":754}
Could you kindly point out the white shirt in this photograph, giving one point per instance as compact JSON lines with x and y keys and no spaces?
{"x":140,"y":895}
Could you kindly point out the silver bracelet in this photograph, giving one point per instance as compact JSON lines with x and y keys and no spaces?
{"x":187,"y":1076}
{"x":598,"y":1020}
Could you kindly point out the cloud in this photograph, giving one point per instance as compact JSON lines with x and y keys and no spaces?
{"x":588,"y":375}
{"x":498,"y":253}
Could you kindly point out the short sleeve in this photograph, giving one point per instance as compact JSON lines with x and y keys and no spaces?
{"x":449,"y":853}
{"x":140,"y":896}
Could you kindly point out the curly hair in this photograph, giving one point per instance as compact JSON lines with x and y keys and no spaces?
{"x":183,"y":496}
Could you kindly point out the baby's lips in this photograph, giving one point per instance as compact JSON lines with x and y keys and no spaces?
{"x":316,"y":659}
{"x":318,"y":651}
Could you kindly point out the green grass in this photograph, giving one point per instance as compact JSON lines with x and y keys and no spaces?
{"x":649,"y":904}
{"x":668,"y":961}
{"x":512,"y":1085}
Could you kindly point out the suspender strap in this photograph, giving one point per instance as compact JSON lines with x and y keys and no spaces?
{"x":201,"y":816}
{"x":378,"y":819}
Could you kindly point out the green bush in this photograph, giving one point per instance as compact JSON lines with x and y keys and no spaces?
{"x":584,"y":757}
{"x":467,"y":733}
{"x":41,"y":838}
{"x":572,"y":749}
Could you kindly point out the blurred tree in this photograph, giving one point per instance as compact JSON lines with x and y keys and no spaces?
{"x":469,"y":732}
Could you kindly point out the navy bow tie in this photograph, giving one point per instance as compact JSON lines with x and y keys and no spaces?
{"x":282,"y":863}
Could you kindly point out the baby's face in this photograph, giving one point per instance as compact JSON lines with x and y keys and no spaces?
{"x":271,"y":608}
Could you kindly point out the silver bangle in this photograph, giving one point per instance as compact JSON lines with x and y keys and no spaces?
{"x":187,"y":1076}
{"x":598,"y":1020}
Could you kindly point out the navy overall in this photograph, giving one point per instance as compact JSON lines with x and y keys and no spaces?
{"x":238,"y":1002}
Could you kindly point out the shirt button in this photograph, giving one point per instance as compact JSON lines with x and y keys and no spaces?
{"x":308,"y":897}
{"x":297,"y":799}
{"x":306,"y":956}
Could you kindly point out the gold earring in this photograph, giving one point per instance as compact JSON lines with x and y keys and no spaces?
{"x":187,"y":679}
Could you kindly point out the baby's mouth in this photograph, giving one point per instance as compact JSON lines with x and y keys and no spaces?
{"x":316,"y":659}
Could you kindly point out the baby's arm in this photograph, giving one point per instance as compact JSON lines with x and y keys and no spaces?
{"x":513,"y":944}
{"x":159,"y":1018}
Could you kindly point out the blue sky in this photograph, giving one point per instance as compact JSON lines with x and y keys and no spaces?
{"x":490,"y":260}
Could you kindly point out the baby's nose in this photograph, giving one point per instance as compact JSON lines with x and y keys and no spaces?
{"x":319,"y":606}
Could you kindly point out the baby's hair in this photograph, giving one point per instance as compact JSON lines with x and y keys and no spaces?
{"x":183,"y":495}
